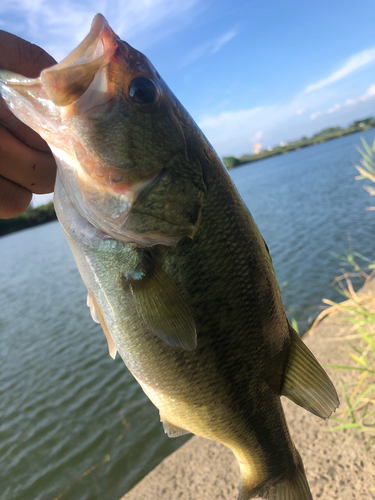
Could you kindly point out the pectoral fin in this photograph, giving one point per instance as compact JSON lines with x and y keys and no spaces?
{"x":161,"y":306}
{"x":306,"y":383}
{"x":97,"y":316}
{"x":170,"y":429}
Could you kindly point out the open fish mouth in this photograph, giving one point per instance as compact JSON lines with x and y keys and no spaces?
{"x":60,"y":92}
{"x":67,"y":81}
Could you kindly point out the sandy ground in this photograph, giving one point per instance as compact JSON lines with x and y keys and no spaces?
{"x":337,"y":465}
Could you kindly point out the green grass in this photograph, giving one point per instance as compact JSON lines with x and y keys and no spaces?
{"x":366,"y":169}
{"x":358,"y":310}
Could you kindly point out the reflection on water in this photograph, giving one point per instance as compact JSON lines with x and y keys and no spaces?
{"x":73,"y":423}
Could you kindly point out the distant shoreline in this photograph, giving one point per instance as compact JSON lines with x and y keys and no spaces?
{"x":30,"y":218}
{"x":233,"y":162}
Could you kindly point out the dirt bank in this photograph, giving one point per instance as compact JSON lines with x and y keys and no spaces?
{"x":336,"y":463}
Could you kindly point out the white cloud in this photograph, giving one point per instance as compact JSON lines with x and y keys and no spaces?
{"x":59,"y":26}
{"x":334,"y":108}
{"x":41,"y":199}
{"x":257,"y":136}
{"x":222,"y":40}
{"x":235,"y":132}
{"x":210,"y":47}
{"x":231,"y":132}
{"x":352,"y":64}
{"x":369,"y":94}
{"x":316,"y":115}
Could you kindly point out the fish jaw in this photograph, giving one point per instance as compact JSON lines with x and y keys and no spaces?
{"x":39,"y":102}
{"x":104,"y":142}
{"x":68,"y":80}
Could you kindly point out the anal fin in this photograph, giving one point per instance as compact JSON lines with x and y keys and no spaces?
{"x":97,"y":316}
{"x":306,"y":383}
{"x":170,"y":429}
{"x":90,"y":304}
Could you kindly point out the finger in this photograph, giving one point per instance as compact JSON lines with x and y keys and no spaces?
{"x":20,"y":130}
{"x":14,"y":199}
{"x":25,"y":58}
{"x":32,"y":169}
{"x":21,"y":56}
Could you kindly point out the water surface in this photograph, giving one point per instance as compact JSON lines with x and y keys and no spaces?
{"x":307,"y":205}
{"x":73,"y":423}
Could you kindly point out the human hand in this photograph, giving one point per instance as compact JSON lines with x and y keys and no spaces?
{"x":26,"y":162}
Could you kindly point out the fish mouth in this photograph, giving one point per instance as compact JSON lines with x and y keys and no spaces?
{"x":60,"y":91}
{"x":88,"y":49}
{"x":65,"y":82}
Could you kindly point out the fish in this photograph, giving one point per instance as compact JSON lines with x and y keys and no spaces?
{"x":177,"y":272}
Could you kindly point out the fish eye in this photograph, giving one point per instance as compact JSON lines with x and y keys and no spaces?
{"x":142,"y":90}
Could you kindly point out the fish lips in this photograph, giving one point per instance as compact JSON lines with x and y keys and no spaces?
{"x":65,"y":82}
{"x":102,"y":62}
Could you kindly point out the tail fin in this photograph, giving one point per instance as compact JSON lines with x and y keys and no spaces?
{"x":293,"y":488}
{"x":306,"y":383}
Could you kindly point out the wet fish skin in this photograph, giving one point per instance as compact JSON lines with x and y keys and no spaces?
{"x":183,"y":285}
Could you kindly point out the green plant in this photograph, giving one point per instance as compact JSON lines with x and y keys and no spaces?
{"x":295,"y":325}
{"x":231,"y":162}
{"x":359,"y":411}
{"x":359,"y":310}
{"x":362,"y":266}
{"x":367,"y":168}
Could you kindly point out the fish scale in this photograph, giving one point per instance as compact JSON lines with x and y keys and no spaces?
{"x":177,"y":273}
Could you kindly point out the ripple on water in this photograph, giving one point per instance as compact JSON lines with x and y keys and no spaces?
{"x":65,"y":405}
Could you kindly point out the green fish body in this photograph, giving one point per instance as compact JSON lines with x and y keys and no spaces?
{"x":177,"y":273}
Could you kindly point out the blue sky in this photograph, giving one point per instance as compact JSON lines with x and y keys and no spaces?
{"x":247,"y":71}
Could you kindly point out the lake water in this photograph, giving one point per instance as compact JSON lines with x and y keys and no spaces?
{"x":73,"y":423}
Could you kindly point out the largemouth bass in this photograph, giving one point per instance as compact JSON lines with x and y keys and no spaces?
{"x":177,"y":273}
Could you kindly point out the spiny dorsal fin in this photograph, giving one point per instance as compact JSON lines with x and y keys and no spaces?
{"x":306,"y":383}
{"x":161,"y":306}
